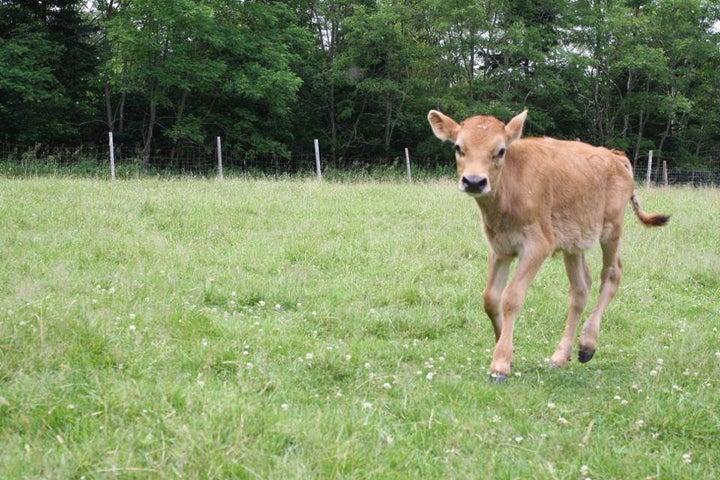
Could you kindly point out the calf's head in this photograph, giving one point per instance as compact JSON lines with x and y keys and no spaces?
{"x":480,"y":145}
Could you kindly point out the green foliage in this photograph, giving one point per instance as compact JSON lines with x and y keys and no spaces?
{"x":359,"y":75}
{"x":296,"y":329}
{"x":46,"y":63}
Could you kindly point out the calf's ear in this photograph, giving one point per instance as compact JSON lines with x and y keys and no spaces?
{"x":514,"y":128}
{"x":444,"y":127}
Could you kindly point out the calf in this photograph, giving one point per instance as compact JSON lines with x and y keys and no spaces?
{"x":538,"y":196}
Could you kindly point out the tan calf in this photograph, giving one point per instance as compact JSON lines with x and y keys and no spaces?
{"x":538,"y":196}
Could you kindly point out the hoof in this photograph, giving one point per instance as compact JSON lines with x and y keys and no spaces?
{"x":585,"y":355}
{"x":497,"y":378}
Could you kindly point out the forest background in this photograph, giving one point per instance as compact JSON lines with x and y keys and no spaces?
{"x":270,"y":76}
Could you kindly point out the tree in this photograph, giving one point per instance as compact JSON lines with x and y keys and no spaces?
{"x":201,"y":66}
{"x":360,"y":75}
{"x":47,"y":62}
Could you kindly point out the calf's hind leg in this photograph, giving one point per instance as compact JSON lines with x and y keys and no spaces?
{"x":578,"y":274}
{"x":610,"y":280}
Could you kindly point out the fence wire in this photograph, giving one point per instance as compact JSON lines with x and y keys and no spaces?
{"x":19,"y":160}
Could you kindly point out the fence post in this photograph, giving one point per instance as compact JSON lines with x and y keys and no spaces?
{"x":407,"y":163}
{"x":665,"y":174}
{"x":318,"y":170}
{"x":219,"y":157}
{"x":112,"y":157}
{"x":649,"y":171}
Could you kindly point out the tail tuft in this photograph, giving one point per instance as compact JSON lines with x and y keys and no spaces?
{"x":655,"y":219}
{"x":648,"y":219}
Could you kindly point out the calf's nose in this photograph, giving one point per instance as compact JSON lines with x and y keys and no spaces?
{"x":473,"y":183}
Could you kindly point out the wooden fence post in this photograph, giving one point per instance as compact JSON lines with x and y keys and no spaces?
{"x":112,"y":157}
{"x":407,"y":163}
{"x":318,"y":170}
{"x":219,"y":157}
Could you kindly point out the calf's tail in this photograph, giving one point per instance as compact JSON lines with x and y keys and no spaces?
{"x":648,"y":219}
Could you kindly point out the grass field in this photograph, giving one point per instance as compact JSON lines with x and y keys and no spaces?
{"x":295,"y":329}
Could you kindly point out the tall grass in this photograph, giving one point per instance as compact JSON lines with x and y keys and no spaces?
{"x":296,"y":329}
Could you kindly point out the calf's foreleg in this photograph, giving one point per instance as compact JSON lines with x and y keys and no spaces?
{"x":511,"y":302}
{"x":498,"y":270}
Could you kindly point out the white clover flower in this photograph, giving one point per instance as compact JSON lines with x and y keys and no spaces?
{"x":551,"y":405}
{"x":653,"y":373}
{"x":261,"y":303}
{"x":132,"y":328}
{"x":366,"y":405}
{"x":430,"y":375}
{"x":387,"y":386}
{"x":687,"y":458}
{"x":285,"y":407}
{"x":308,"y":356}
{"x":563,"y":421}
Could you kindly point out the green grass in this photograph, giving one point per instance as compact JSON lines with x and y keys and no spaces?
{"x":295,"y":329}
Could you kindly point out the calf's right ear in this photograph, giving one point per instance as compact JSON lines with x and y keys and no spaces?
{"x":444,"y":127}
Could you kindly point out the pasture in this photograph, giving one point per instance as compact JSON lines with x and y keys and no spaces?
{"x":296,"y":329}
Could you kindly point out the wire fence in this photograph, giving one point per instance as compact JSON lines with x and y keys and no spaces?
{"x":94,"y":160}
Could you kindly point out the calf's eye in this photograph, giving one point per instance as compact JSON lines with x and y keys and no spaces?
{"x":457,"y":149}
{"x":501,"y":152}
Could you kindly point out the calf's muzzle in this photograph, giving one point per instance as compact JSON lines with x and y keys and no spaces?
{"x":473,"y":184}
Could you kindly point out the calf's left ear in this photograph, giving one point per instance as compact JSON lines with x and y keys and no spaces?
{"x":514,"y":128}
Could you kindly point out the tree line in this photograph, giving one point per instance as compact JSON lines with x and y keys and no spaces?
{"x":360,"y":75}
